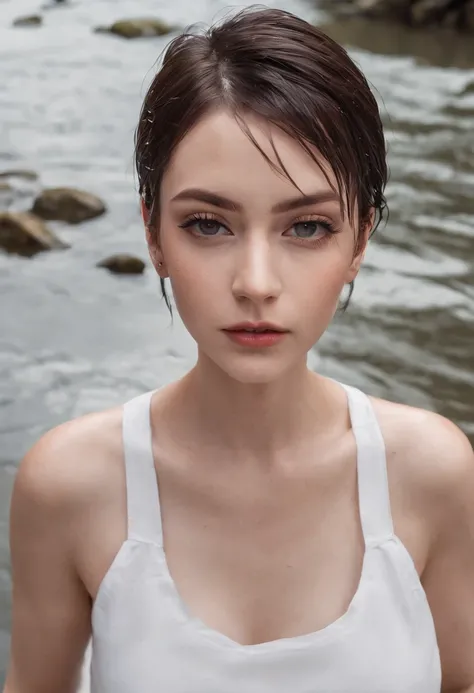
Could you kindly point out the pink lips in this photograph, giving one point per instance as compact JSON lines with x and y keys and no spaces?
{"x":256,"y":335}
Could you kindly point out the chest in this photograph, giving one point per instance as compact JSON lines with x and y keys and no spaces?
{"x":261,"y":558}
{"x":269,"y":570}
{"x":142,"y":632}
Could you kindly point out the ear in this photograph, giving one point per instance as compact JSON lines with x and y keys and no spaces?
{"x":361,"y":247}
{"x":154,"y":248}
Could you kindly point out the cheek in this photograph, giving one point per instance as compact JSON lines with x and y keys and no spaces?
{"x":186,"y":288}
{"x":194,"y":285}
{"x":326,"y":277}
{"x":317,"y":292}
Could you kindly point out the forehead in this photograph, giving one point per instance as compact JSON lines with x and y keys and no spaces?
{"x":218,"y":154}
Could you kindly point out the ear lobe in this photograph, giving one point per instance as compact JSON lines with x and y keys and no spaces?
{"x":154,"y":250}
{"x":156,"y":255}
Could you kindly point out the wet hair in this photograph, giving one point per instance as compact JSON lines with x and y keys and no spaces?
{"x":277,"y":66}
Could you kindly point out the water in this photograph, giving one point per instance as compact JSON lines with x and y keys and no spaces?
{"x":74,"y":338}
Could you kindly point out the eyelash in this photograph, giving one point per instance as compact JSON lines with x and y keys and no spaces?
{"x":207,"y":216}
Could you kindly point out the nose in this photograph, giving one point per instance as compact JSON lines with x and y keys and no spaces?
{"x":256,"y":276}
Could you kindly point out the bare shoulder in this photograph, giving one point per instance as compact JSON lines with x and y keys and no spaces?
{"x":71,"y":462}
{"x":62,"y":498}
{"x":433,"y":462}
{"x":438,"y":445}
{"x":428,"y":455}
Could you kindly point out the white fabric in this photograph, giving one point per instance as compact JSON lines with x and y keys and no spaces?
{"x":145,"y":641}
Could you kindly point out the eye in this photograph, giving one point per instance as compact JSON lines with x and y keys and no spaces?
{"x":310,"y":229}
{"x":204,"y":226}
{"x":208,"y":227}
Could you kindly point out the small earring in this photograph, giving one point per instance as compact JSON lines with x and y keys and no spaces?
{"x":160,"y":264}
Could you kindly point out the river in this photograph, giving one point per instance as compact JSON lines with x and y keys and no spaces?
{"x":74,"y":338}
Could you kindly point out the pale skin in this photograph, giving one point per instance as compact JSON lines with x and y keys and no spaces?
{"x":240,"y":483}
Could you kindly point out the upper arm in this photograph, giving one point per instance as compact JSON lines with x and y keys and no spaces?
{"x":448,"y":579}
{"x":51,"y":608}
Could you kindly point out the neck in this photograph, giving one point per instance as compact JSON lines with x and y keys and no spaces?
{"x":254,"y":419}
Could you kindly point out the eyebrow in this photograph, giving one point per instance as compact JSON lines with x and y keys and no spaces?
{"x":293,"y":203}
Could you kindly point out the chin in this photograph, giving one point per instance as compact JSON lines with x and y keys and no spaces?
{"x":255,"y":369}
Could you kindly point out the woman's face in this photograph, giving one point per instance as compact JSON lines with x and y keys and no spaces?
{"x":241,"y":244}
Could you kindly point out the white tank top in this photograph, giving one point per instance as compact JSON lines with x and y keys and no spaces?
{"x":144,"y":639}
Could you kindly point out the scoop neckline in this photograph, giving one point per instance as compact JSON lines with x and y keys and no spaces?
{"x":340,"y":626}
{"x":199,"y":628}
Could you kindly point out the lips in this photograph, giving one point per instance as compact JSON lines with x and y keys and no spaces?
{"x":256,"y":335}
{"x":255,"y":328}
{"x":251,"y":331}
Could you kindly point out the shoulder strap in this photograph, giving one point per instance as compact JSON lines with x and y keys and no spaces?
{"x":143,"y":504}
{"x":374,"y":498}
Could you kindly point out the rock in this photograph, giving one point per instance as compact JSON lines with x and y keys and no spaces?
{"x":29,"y":20}
{"x":339,"y":7}
{"x":24,"y":234}
{"x":137,"y":28}
{"x":453,"y":14}
{"x":382,"y":8}
{"x":19,"y":173}
{"x":451,"y":20}
{"x":426,"y":12}
{"x":68,"y":204}
{"x":123,"y":264}
{"x":468,"y":17}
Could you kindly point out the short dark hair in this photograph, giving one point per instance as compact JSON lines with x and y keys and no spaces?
{"x":275,"y":65}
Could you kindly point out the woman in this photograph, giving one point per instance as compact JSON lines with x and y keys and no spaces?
{"x":305,"y":537}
